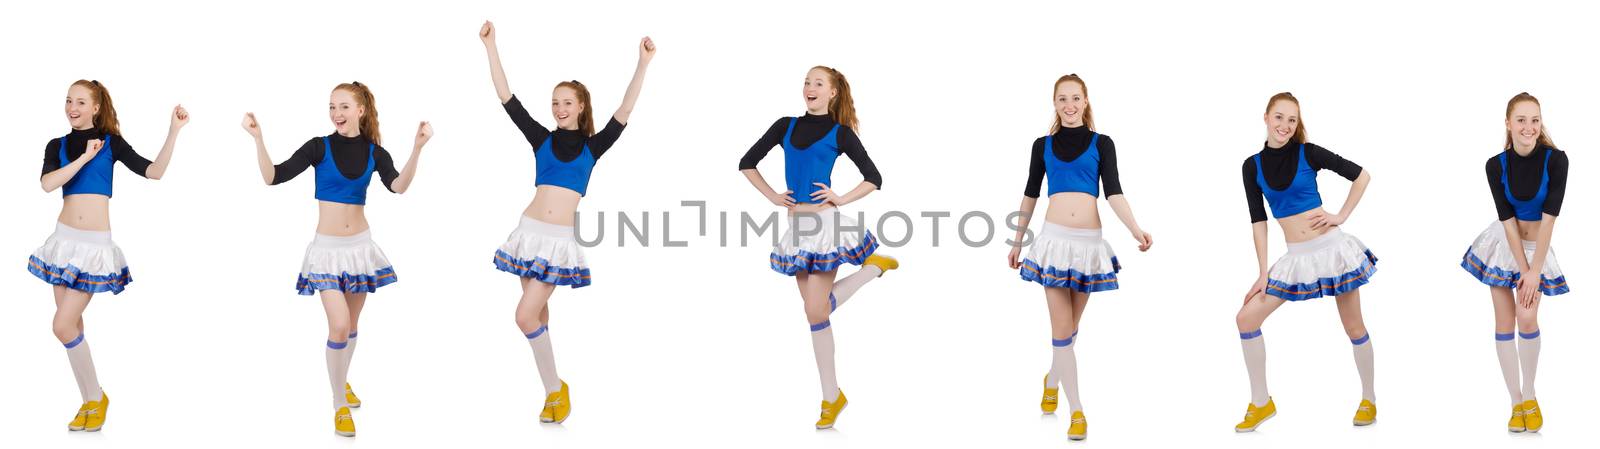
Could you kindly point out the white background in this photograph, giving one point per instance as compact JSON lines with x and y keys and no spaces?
{"x":706,"y":346}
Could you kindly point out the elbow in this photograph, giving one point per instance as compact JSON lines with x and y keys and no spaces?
{"x":46,"y":187}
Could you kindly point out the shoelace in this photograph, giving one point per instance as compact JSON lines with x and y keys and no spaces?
{"x":1050,"y":398}
{"x":1364,"y":409}
{"x":1080,"y":421}
{"x":555,"y":403}
{"x":1531,"y":411}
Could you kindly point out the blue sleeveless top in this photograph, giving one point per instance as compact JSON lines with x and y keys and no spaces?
{"x":551,"y":171}
{"x":333,"y":187}
{"x":94,"y":177}
{"x":802,"y":167}
{"x":1300,"y":196}
{"x":1530,"y":210}
{"x":1078,"y":175}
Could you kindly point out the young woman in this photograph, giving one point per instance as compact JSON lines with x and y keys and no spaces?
{"x":342,"y":264}
{"x":79,"y":259}
{"x":1322,"y":259}
{"x":1070,"y":259}
{"x":826,"y":238}
{"x":1528,"y":180}
{"x":543,"y":251}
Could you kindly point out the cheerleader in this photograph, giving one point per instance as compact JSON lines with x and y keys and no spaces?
{"x":543,"y":251}
{"x":1528,"y":180}
{"x":1070,"y":259}
{"x":819,"y":238}
{"x":80,"y":259}
{"x":1322,"y":260}
{"x":342,"y":264}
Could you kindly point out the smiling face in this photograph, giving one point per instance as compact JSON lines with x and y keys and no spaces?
{"x":345,"y":112}
{"x":1283,"y":119}
{"x":819,"y":91}
{"x":1525,"y":125}
{"x":1071,"y":104}
{"x":566,"y":107}
{"x":81,"y":107}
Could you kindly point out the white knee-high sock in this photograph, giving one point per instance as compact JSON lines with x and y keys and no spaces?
{"x":337,"y":370}
{"x":1052,"y":378}
{"x":845,"y":288}
{"x":83,"y":369}
{"x":545,"y":356}
{"x":1528,"y":353}
{"x":1064,"y":365}
{"x":1505,"y":348}
{"x":1363,"y":351}
{"x":822,"y":345}
{"x":1255,"y":363}
{"x":349,"y":353}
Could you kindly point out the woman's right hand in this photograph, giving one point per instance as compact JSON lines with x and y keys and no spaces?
{"x":249,"y":124}
{"x":91,"y":148}
{"x":487,"y":32}
{"x":1014,"y":259}
{"x":783,"y":200}
{"x":1255,"y":289}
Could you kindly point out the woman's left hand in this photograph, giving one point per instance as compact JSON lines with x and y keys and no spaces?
{"x":826,"y":195}
{"x":180,"y":117}
{"x":1321,"y":220}
{"x":1528,"y":289}
{"x":1144,"y":240}
{"x":424,"y":132}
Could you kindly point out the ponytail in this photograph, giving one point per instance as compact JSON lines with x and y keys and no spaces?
{"x":843,"y":106}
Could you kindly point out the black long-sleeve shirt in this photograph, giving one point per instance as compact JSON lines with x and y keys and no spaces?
{"x":349,"y":155}
{"x":568,"y":144}
{"x":77,"y":143}
{"x":1281,"y":164}
{"x":1525,"y":174}
{"x":807,"y":131}
{"x":1068,"y":144}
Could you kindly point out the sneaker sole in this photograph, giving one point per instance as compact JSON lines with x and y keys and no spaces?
{"x":1077,"y":437}
{"x":344,"y":434}
{"x":1516,"y":429}
{"x":1258,"y":424}
{"x":1363,"y":423}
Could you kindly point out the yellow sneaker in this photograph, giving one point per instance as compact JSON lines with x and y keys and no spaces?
{"x":94,"y":413}
{"x":1366,"y":413}
{"x":556,"y":406}
{"x":1532,"y":418}
{"x":1254,"y":416}
{"x":1517,"y":424}
{"x":830,"y":411}
{"x":883,"y":262}
{"x":350,"y":396}
{"x":1079,"y":428}
{"x":78,"y":420}
{"x":1048,"y":403}
{"x":343,"y":424}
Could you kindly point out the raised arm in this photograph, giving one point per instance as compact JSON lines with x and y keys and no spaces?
{"x":495,"y":71}
{"x":180,"y":117}
{"x":60,"y":176}
{"x":647,"y":51}
{"x":402,"y":182}
{"x":265,"y":161}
